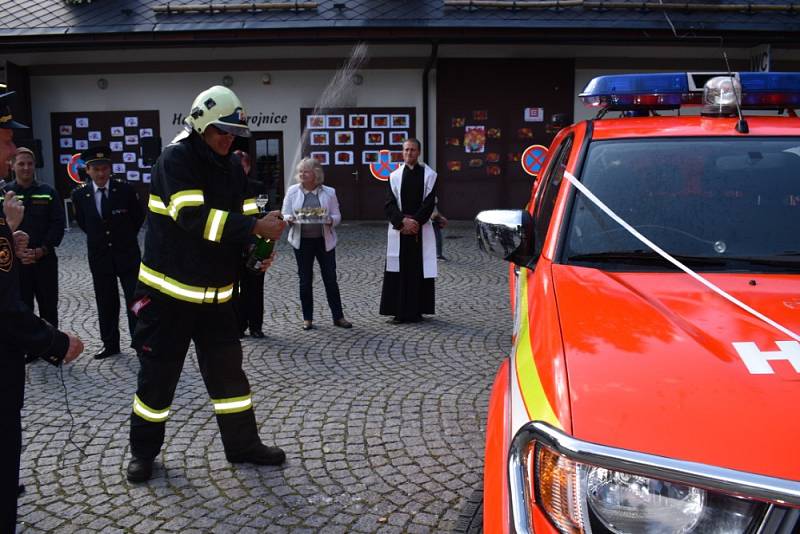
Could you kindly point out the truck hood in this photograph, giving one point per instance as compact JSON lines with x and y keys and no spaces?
{"x":652,"y":366}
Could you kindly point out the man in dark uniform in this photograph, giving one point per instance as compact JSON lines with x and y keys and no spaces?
{"x":44,"y":223}
{"x":111,"y":215}
{"x":249,"y":292}
{"x":197,"y":225}
{"x":21,"y":331}
{"x":408,"y":284}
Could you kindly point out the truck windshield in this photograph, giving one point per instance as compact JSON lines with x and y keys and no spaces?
{"x":722,"y":203}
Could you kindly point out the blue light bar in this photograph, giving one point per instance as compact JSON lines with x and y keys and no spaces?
{"x":636,"y":91}
{"x":760,"y":90}
{"x":770,"y":82}
{"x":637,"y":84}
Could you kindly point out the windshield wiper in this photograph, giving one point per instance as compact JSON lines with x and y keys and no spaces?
{"x":646,"y":257}
{"x":780,"y":260}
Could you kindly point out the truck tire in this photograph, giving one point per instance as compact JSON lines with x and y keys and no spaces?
{"x":470,"y":518}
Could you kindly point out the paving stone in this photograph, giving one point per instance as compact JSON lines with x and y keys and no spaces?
{"x":383,"y":424}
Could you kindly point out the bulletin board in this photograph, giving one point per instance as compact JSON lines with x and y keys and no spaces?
{"x":346,"y":141}
{"x":123,"y":132}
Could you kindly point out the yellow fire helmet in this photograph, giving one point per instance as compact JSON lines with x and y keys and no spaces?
{"x":221,"y":107}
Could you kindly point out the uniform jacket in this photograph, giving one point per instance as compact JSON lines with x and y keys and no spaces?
{"x":21,"y":331}
{"x":199,"y":218}
{"x":293,"y":201}
{"x":429,"y":267}
{"x":113,"y":245}
{"x":44,"y":215}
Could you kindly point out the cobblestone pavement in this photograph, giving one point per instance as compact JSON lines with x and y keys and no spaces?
{"x":383,"y":424}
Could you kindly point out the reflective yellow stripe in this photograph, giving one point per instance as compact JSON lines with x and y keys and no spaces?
{"x":214,"y":225}
{"x":181,"y":199}
{"x":185,"y":292}
{"x":232,"y":405}
{"x":530,"y":384}
{"x":48,"y":197}
{"x":249,"y":207}
{"x":157,"y":206}
{"x":147,"y":413}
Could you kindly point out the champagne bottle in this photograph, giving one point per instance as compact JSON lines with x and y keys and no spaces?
{"x":261,"y":251}
{"x":263,"y":247}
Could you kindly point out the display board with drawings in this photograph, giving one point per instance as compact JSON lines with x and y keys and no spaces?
{"x":122,"y":131}
{"x":346,"y":141}
{"x":355,"y":136}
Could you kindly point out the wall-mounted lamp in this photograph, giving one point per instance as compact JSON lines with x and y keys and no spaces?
{"x":266,"y":79}
{"x":358,"y":79}
{"x":102,"y":83}
{"x":227,"y":80}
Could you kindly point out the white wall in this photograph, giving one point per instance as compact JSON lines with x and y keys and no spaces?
{"x":171,"y":94}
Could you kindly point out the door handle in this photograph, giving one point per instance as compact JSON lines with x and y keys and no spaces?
{"x":355,"y":173}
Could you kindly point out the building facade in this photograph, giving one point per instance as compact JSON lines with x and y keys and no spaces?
{"x":476,"y":82}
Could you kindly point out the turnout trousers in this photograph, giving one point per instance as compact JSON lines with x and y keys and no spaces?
{"x":163,"y":331}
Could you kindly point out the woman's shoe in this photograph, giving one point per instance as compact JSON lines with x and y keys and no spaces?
{"x":307,"y":325}
{"x":343,"y":323}
{"x":257,"y":333}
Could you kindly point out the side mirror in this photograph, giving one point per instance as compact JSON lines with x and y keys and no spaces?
{"x":506,"y":234}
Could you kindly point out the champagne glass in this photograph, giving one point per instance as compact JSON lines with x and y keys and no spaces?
{"x":261,"y":202}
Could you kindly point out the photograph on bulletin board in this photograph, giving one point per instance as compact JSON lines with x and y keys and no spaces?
{"x":373,"y":138}
{"x":315,"y":121}
{"x":370,"y":156}
{"x":319,"y":138}
{"x":344,"y":157}
{"x":358,"y":120}
{"x":397,"y":138}
{"x":334,"y":121}
{"x":343,"y":138}
{"x":322,"y":157}
{"x":380,"y":121}
{"x":399,"y":121}
{"x":474,"y":139}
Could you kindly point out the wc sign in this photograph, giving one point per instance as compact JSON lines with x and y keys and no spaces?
{"x":758,"y":361}
{"x":760,"y":58}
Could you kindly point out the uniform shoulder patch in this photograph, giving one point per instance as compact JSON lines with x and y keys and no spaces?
{"x":6,"y":255}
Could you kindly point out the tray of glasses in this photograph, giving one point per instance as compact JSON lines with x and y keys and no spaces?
{"x":311,"y":216}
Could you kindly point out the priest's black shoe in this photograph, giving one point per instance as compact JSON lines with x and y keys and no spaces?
{"x":140,"y":469}
{"x":106,"y":352}
{"x":258,"y":454}
{"x":256,"y":333}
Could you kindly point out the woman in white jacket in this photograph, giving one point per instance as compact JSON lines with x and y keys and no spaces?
{"x":314,"y":240}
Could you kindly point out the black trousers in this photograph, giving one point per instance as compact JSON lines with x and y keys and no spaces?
{"x":163,"y":331}
{"x":310,"y":249}
{"x":106,"y":295}
{"x":250,"y":300}
{"x":40,"y":280}
{"x":12,"y":388}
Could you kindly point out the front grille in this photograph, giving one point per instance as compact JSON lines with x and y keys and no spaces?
{"x":781,"y":521}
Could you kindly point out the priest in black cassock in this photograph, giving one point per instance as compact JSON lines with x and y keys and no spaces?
{"x":408,"y":283}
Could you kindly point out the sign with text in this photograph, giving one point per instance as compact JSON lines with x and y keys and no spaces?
{"x":760,"y":58}
{"x":534,"y":114}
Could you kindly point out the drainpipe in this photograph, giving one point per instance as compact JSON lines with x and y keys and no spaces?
{"x":425,"y":122}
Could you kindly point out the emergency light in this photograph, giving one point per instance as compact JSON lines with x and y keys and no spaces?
{"x":754,"y":90}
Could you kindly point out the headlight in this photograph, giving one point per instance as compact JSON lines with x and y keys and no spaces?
{"x":580,"y":498}
{"x":586,"y":488}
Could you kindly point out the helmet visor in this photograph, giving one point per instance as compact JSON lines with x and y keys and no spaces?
{"x":233,"y":129}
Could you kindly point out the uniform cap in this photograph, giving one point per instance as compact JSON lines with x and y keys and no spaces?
{"x":96,"y":154}
{"x":6,"y":118}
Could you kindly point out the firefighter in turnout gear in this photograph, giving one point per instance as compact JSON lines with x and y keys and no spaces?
{"x":198,"y":221}
{"x":21,"y":332}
